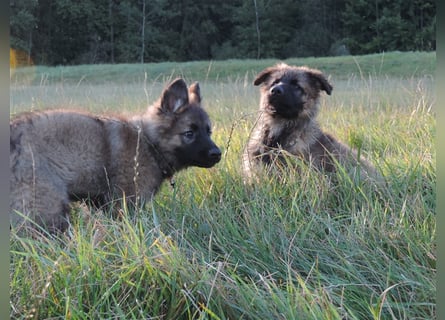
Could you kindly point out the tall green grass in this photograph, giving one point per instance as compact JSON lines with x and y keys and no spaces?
{"x":213,"y":248}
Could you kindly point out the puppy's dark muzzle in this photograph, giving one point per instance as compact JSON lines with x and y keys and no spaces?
{"x":275,"y":95}
{"x":214,"y":155}
{"x":282,"y":101}
{"x":278,"y":96}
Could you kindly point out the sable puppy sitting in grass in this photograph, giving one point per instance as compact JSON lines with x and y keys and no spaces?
{"x":59,"y":156}
{"x":287,"y":123}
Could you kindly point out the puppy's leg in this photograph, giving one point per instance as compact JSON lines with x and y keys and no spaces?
{"x":43,"y":203}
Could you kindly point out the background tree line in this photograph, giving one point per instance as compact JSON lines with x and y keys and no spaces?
{"x":53,"y":32}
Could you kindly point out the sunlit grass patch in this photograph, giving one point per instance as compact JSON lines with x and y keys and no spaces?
{"x":213,"y":247}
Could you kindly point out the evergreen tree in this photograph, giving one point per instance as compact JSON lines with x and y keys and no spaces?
{"x":23,"y":23}
{"x":384,"y":25}
{"x":112,"y":31}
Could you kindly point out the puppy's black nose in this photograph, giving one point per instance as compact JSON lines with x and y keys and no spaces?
{"x":277,"y":90}
{"x":215,"y":154}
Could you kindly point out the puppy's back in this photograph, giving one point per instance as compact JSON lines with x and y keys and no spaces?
{"x":68,"y":145}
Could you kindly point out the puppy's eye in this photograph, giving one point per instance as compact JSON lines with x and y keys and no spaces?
{"x":209,"y":131}
{"x":188,"y":134}
{"x":296,"y":85}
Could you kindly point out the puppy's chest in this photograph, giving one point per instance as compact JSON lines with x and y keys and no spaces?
{"x":293,"y":141}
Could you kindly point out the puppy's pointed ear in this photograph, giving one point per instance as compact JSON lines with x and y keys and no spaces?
{"x":320,"y":81}
{"x":264,"y":75}
{"x":195,"y":93}
{"x":175,"y":97}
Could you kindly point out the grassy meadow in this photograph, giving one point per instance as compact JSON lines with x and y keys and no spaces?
{"x":213,"y":248}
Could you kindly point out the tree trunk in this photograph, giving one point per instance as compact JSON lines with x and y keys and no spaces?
{"x":110,"y":19}
{"x":143,"y":32}
{"x":257,"y":29}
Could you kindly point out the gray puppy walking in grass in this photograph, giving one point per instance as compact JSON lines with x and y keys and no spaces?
{"x":60,"y":156}
{"x":287,"y":124}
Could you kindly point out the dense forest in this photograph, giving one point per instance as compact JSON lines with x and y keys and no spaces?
{"x":53,"y":32}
